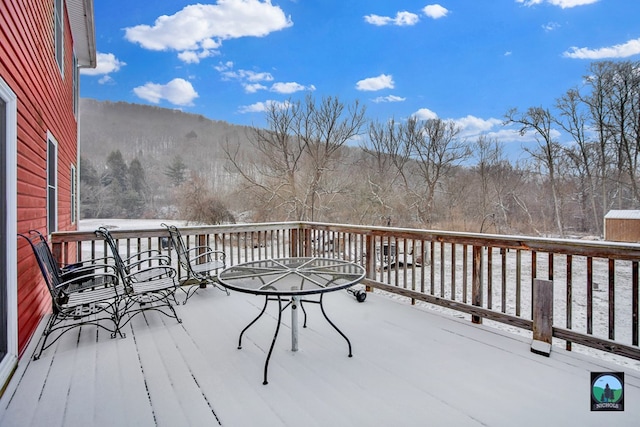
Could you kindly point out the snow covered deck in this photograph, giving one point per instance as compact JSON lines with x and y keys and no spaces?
{"x":411,"y":367}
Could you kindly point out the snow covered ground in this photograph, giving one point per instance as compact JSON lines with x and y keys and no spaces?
{"x":127,"y":224}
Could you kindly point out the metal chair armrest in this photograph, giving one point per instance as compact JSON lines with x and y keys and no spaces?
{"x":88,"y":281}
{"x":150,"y":254}
{"x":207,"y":252}
{"x":151,"y":273}
{"x":158,"y":260}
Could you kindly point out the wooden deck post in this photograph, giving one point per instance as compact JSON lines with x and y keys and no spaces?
{"x":202,"y":243}
{"x":542,"y":305}
{"x":293,"y":247}
{"x":476,"y":281}
{"x":370,"y":259}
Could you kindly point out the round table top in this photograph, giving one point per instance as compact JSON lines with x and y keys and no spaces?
{"x":291,"y":276}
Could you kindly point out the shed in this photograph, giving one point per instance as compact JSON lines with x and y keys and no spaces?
{"x":622,"y":226}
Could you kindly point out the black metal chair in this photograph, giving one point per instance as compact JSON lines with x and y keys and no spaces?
{"x":85,"y":293}
{"x":198,"y":264}
{"x":149,"y":283}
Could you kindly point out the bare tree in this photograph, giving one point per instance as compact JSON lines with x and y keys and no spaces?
{"x":325,"y":128}
{"x":383,"y":164}
{"x":197,"y":202}
{"x":303,"y":144}
{"x":546,"y":154}
{"x":598,"y":81}
{"x":624,"y":101}
{"x":582,"y":155}
{"x":434,"y":150}
{"x":488,"y":154}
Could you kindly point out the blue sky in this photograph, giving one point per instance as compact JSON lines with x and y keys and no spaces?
{"x":465,"y":60}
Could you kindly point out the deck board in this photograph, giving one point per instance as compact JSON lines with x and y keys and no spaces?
{"x":411,"y":366}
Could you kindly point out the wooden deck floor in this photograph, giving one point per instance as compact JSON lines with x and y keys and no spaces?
{"x":411,"y":367}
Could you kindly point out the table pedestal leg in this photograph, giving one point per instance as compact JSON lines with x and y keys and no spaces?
{"x":295,"y":301}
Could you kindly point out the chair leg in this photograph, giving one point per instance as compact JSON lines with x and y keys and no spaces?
{"x":156,"y":302}
{"x":45,"y":336}
{"x":193,"y":288}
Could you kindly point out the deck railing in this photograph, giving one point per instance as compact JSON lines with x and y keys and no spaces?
{"x":595,"y":284}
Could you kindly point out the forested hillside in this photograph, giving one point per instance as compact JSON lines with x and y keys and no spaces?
{"x":154,"y":135}
{"x":159,"y":139}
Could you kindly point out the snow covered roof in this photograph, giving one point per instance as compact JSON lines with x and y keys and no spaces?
{"x":623,"y":214}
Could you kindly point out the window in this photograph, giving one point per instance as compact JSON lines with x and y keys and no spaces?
{"x":52,"y":184}
{"x":74,"y":193}
{"x":58,"y":17}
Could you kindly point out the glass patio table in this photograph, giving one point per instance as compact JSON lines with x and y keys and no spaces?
{"x":288,"y":281}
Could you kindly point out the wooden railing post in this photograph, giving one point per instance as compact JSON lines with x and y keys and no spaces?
{"x":306,"y":242}
{"x":56,"y":250}
{"x":542,"y":305}
{"x":293,"y":246}
{"x":202,"y":242}
{"x":370,"y":259}
{"x":476,"y":281}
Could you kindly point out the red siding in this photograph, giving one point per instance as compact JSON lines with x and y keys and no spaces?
{"x":45,"y":103}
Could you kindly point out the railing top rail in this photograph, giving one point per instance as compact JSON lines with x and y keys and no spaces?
{"x":133,"y":233}
{"x":593,"y":248}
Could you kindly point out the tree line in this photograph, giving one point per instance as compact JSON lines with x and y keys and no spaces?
{"x":304,"y":165}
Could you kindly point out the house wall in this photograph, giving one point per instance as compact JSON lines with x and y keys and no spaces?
{"x":45,"y":104}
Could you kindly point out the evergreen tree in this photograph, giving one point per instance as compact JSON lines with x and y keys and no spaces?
{"x":176,"y":171}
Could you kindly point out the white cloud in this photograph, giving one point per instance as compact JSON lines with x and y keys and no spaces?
{"x":197,"y":30}
{"x":425,"y":114}
{"x":290,"y":87}
{"x":177,"y":91}
{"x":253,"y":87}
{"x":194,"y":57}
{"x":475,"y":126}
{"x":106,"y":63}
{"x":228,"y":73}
{"x":106,"y":79}
{"x":470,"y":126}
{"x":383,"y":81}
{"x":630,"y":48}
{"x":564,"y":4}
{"x":435,"y":11}
{"x":401,"y":19}
{"x":261,"y":107}
{"x":550,"y":26}
{"x":390,"y":98}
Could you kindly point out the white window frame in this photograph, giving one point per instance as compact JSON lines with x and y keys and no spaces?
{"x":10,"y":360}
{"x":74,"y":194}
{"x":52,"y":187}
